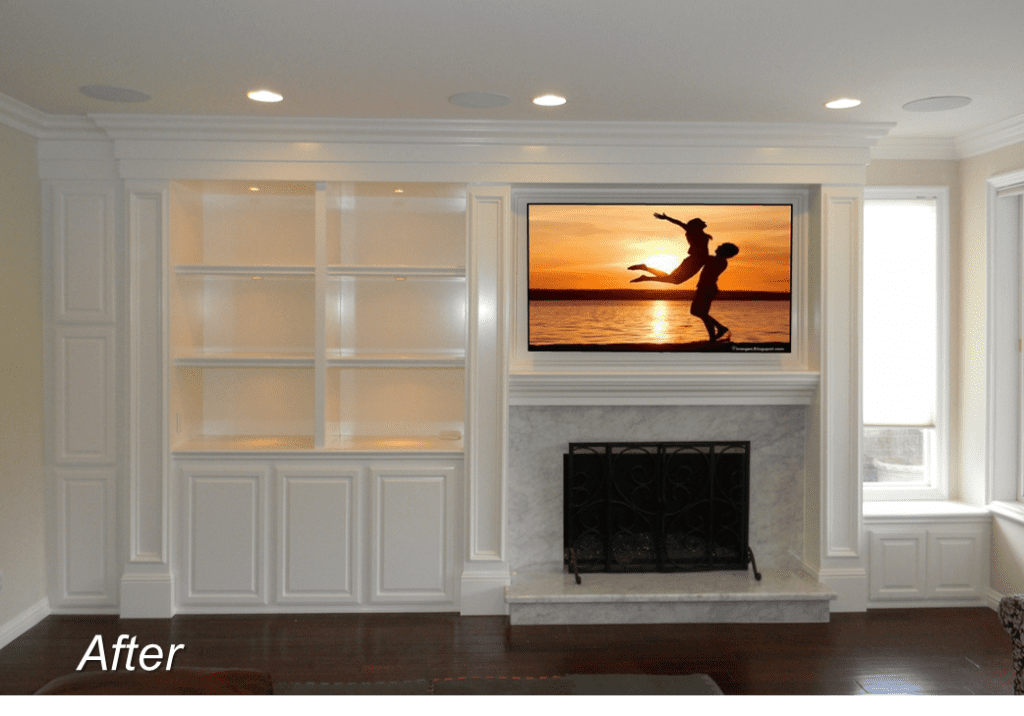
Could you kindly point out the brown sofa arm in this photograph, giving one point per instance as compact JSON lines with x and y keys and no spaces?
{"x":1011,"y":613}
{"x":174,"y":682}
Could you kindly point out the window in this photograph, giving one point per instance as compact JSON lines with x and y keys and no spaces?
{"x":905,"y":344}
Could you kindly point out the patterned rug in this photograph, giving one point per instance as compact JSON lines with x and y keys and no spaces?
{"x":568,"y":685}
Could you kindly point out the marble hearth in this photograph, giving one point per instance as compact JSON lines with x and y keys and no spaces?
{"x":782,"y":595}
{"x":542,"y":593}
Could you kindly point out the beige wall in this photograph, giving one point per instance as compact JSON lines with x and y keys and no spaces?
{"x":22,"y":477}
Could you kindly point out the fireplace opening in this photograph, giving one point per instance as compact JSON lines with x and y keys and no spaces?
{"x":657,"y":507}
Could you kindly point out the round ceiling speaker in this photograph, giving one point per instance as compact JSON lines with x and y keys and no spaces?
{"x":108,"y":93}
{"x":937,"y":104}
{"x":479,"y":100}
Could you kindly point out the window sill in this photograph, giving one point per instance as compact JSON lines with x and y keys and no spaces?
{"x":1013,"y":511}
{"x":924,"y":511}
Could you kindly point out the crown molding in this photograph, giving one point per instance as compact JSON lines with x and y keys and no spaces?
{"x":40,"y":125}
{"x":995,"y":136}
{"x":916,"y":148}
{"x":24,"y":118}
{"x":477,"y":132}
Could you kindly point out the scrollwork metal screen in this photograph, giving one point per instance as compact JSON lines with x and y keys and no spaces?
{"x":657,"y":507}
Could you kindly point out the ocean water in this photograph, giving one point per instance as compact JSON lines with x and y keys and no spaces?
{"x":597,"y":322}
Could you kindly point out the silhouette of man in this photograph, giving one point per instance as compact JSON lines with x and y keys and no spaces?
{"x":707,"y":289}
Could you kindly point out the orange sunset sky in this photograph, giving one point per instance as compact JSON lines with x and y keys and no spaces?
{"x":590,"y":246}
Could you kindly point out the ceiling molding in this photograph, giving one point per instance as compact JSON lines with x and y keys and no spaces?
{"x":463,"y":132}
{"x":988,"y":139}
{"x":915,"y":148}
{"x":40,"y":125}
{"x":874,"y":136}
{"x":483,"y":132}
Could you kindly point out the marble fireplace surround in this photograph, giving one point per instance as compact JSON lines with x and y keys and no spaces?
{"x":542,"y":592}
{"x":540,"y":435}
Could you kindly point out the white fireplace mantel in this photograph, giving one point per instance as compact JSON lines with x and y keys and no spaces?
{"x":693,"y":388}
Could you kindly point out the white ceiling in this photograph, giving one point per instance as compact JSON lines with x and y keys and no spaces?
{"x":615,"y":60}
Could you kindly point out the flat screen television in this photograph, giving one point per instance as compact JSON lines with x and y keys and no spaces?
{"x":635,"y":277}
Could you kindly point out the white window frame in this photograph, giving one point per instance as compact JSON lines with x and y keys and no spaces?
{"x":937,"y":487}
{"x":1005,"y":361}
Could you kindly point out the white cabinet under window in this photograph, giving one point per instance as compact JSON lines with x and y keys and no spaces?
{"x":938,"y":562}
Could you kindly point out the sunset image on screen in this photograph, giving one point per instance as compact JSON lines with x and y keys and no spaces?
{"x":708,"y":277}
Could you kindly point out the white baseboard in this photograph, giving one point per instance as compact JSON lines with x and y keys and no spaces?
{"x":147,"y":596}
{"x":993,"y":597}
{"x":24,"y":621}
{"x":483,"y":593}
{"x":851,"y":585}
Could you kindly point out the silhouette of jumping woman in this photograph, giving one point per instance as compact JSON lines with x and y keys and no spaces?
{"x":707,"y":289}
{"x":693,"y":263}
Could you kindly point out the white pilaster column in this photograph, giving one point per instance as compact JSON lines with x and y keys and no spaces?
{"x":841,"y":562}
{"x":485,"y":572}
{"x":147,"y":589}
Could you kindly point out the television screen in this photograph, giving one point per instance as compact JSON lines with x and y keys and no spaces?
{"x":656,"y":277}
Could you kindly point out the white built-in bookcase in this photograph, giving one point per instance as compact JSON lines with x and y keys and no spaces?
{"x":316,"y":316}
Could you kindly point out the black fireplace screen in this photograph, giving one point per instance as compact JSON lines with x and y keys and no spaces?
{"x":657,"y":507}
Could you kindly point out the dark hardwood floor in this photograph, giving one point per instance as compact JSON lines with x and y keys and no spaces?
{"x":929,"y":651}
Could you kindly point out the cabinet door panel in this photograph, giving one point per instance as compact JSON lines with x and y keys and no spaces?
{"x":224,"y":534}
{"x":954,"y":564}
{"x":318,"y":527}
{"x":86,"y":550}
{"x":898,"y":565}
{"x":413,"y":535}
{"x":83,"y":252}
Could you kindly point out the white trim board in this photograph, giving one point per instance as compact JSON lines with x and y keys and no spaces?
{"x":24,"y":621}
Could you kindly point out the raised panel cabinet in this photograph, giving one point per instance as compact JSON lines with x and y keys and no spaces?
{"x":413,"y":533}
{"x":319,"y":520}
{"x":928,"y":562}
{"x":898,"y":564}
{"x":223,"y":533}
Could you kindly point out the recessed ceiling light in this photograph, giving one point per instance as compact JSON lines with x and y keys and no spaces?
{"x":549,"y":100}
{"x":479,"y":100}
{"x":264,"y":95}
{"x":843,"y":103}
{"x":937,"y":104}
{"x":254,"y":188}
{"x":108,"y":93}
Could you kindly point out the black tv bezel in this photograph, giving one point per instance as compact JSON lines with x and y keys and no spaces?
{"x":785,"y":349}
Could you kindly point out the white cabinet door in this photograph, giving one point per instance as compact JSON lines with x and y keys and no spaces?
{"x":413,"y":534}
{"x":223,"y":534}
{"x":318,"y":531}
{"x":898,"y":564}
{"x":955,"y":562}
